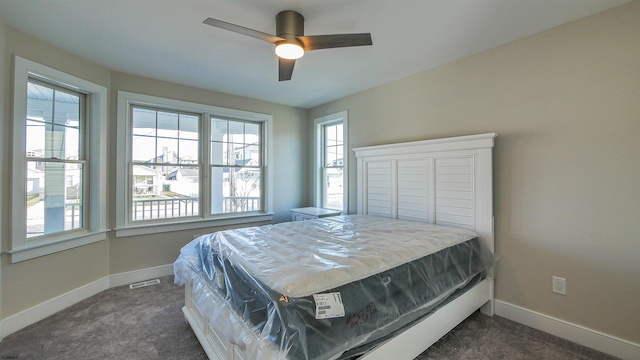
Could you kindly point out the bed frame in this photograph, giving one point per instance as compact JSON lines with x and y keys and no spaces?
{"x":443,"y":181}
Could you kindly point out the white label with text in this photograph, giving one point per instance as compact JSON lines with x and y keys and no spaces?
{"x":328,"y":305}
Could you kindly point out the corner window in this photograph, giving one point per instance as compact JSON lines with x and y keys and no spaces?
{"x":189,"y":165}
{"x":55,"y":159}
{"x":331,"y":162}
{"x":59,"y":142}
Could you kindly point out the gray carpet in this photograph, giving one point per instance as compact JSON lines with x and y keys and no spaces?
{"x":147,"y":323}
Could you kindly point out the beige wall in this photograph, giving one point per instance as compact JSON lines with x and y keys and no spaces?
{"x":566,"y":106}
{"x":4,"y":137}
{"x":32,"y":282}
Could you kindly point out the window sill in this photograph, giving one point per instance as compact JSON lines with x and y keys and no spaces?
{"x":47,"y":248}
{"x":155,"y":228}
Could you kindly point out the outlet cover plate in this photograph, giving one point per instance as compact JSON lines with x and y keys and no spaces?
{"x":559,"y":285}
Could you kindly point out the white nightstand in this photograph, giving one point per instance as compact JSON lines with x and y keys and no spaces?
{"x":309,"y":213}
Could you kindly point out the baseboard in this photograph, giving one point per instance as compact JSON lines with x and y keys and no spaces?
{"x":578,"y":334}
{"x":45,"y":309}
{"x":129,"y":277}
{"x":36,"y":313}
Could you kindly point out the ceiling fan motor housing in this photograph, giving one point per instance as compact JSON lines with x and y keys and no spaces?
{"x":289,"y":22}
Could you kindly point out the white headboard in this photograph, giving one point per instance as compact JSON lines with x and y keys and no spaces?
{"x":443,"y":181}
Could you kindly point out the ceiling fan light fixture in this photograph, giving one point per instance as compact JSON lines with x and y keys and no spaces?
{"x":291,"y":51}
{"x":290,"y":41}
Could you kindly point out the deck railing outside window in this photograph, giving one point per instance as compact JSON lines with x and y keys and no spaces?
{"x":147,"y":209}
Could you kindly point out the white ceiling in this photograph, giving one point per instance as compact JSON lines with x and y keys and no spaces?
{"x":166,"y":39}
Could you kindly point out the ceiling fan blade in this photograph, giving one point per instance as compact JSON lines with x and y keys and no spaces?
{"x":285,"y":69}
{"x":316,"y":42}
{"x":242,"y":30}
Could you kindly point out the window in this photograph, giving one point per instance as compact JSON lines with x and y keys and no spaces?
{"x":236,"y":166}
{"x":59,"y":142}
{"x":165,"y":164}
{"x":189,"y":165}
{"x":331,"y":162}
{"x":332,"y":169}
{"x":55,"y":159}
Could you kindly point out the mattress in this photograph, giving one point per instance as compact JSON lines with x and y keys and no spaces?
{"x":319,"y":289}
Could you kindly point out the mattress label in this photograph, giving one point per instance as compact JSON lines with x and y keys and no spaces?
{"x":328,"y":305}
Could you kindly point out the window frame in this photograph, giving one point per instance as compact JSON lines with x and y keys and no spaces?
{"x":95,"y":141}
{"x":82,"y":159}
{"x":130,"y":181}
{"x":318,"y":149}
{"x":126,"y":227}
{"x":211,"y":165}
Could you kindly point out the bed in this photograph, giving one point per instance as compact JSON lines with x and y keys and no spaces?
{"x":389,"y":281}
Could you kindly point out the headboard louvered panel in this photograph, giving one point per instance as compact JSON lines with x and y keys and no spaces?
{"x":443,"y":181}
{"x":412,"y":190}
{"x":379,"y":200}
{"x":454,"y":192}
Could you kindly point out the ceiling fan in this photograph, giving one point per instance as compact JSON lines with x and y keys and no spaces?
{"x":290,"y":41}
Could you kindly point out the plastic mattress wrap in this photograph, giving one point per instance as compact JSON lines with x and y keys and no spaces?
{"x":320,"y":289}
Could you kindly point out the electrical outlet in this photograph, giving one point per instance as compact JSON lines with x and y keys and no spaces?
{"x":559,"y":285}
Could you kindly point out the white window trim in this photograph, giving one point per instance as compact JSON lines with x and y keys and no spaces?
{"x":20,"y":247}
{"x":318,"y":123}
{"x":126,"y":228}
